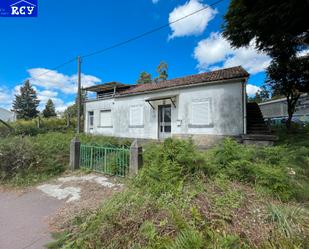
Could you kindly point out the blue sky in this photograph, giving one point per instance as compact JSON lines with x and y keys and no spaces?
{"x":63,"y":30}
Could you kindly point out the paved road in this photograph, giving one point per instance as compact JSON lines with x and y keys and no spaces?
{"x":23,"y":219}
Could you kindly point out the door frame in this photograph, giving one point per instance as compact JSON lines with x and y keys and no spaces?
{"x":158,"y":118}
{"x":90,"y":127}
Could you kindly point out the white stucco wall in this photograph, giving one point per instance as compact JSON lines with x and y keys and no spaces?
{"x":6,"y":115}
{"x":279,"y":108}
{"x":226,"y":112}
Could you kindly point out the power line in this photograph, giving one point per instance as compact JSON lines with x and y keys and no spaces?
{"x":149,"y":32}
{"x":128,"y":40}
{"x":56,"y":67}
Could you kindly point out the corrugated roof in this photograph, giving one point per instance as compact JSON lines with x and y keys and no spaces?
{"x":106,"y":86}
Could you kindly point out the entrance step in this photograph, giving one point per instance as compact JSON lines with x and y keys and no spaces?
{"x":259,"y":139}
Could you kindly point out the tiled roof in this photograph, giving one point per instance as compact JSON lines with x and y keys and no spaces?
{"x":211,"y":77}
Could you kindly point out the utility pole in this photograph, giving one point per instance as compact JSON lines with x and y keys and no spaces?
{"x":79,"y":95}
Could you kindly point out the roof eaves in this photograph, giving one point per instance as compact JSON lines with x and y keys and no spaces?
{"x":119,"y":95}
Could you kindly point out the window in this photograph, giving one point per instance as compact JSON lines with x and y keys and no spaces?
{"x":106,"y":118}
{"x":136,"y":116}
{"x":200,"y":113}
{"x":90,"y":117}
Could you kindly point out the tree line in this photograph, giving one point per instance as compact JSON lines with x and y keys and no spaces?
{"x":26,"y":104}
{"x":146,"y":78}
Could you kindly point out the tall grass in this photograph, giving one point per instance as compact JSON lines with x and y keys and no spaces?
{"x":26,"y":160}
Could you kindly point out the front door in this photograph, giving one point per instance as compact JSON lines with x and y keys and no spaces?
{"x":165,"y":118}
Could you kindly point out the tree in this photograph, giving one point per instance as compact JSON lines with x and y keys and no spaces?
{"x":162,"y":71}
{"x":144,"y":78}
{"x":289,"y":78}
{"x":263,"y":94}
{"x":260,"y":96}
{"x":71,"y":110}
{"x":26,"y":103}
{"x":279,"y":28}
{"x":49,"y":110}
{"x":271,"y":23}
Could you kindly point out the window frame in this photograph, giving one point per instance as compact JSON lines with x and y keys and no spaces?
{"x":91,"y":118}
{"x":209,"y":124}
{"x":111,"y":119}
{"x":140,"y":125}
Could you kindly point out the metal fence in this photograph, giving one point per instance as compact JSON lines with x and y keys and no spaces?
{"x":105,"y":159}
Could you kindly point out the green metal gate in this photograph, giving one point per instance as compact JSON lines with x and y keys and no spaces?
{"x":109,"y":160}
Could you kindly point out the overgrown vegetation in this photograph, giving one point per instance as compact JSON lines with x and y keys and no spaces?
{"x":26,"y":160}
{"x":37,"y":126}
{"x":231,"y":196}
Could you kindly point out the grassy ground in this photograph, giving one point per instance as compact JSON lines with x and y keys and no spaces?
{"x":31,"y":159}
{"x":229,"y":197}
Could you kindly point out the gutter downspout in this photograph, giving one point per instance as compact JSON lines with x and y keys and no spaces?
{"x":244,"y":101}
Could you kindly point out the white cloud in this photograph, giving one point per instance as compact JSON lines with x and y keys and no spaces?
{"x":54,"y":80}
{"x":5,"y":98}
{"x":192,"y":25}
{"x":252,"y":89}
{"x":45,"y":95}
{"x":48,"y":86}
{"x":64,"y":106}
{"x":216,"y":49}
{"x":303,"y":52}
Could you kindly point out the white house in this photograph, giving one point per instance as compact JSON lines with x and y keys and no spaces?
{"x":204,"y":106}
{"x":6,"y":115}
{"x":277,"y":109}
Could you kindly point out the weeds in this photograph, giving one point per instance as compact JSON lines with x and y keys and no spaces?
{"x":31,"y":159}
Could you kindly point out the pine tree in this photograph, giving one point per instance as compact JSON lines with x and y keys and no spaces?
{"x":162,"y":71}
{"x":26,"y":103}
{"x":49,"y":110}
{"x":144,"y":78}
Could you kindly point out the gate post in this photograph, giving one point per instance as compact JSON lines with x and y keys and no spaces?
{"x":74,"y":153}
{"x":136,"y":158}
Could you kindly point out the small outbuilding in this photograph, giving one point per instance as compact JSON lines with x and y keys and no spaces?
{"x":6,"y":115}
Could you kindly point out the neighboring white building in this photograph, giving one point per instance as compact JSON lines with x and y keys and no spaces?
{"x":205,"y":106}
{"x":278,"y":108}
{"x":6,"y":115}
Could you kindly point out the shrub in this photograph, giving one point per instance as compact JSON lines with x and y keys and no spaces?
{"x":166,"y":166}
{"x":16,"y":157}
{"x":266,"y":167}
{"x":29,"y":159}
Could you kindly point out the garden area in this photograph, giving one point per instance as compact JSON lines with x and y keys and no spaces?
{"x":30,"y":155}
{"x":230,"y":196}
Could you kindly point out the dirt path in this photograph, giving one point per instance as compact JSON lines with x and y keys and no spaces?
{"x":28,"y":217}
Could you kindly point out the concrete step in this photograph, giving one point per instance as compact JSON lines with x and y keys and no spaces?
{"x":259,"y":139}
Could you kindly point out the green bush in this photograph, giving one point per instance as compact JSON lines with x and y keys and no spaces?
{"x":167,"y":165}
{"x":37,"y":126}
{"x":30,"y":159}
{"x":183,"y":198}
{"x":16,"y":157}
{"x":280,"y":170}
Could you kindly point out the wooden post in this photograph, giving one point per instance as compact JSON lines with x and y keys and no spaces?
{"x":74,"y":153}
{"x":136,"y":158}
{"x":78,"y":94}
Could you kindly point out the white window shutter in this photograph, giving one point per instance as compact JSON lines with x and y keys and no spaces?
{"x":136,"y":116}
{"x":200,"y":113}
{"x":106,"y":118}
